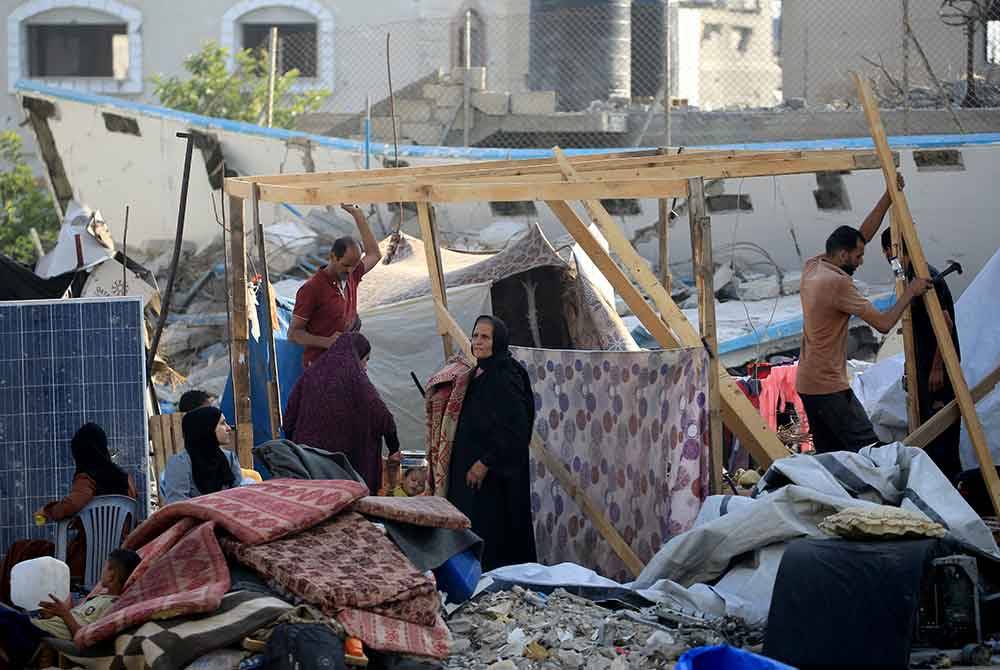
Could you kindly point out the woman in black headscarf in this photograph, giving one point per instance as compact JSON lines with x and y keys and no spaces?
{"x":488,"y":477}
{"x":204,"y":466}
{"x":95,"y":475}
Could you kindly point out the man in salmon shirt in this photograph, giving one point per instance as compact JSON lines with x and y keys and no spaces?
{"x":327,"y":304}
{"x":837,"y":420}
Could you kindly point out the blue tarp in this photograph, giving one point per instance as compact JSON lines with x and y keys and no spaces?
{"x":289,"y":369}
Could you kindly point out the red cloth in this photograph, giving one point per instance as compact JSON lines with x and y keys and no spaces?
{"x":183,"y":570}
{"x":445,"y":395}
{"x":325,"y":308}
{"x":335,"y":407}
{"x":427,"y":511}
{"x":776,"y":390}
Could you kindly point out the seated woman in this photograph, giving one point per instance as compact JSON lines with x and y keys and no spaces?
{"x":204,"y":466}
{"x":488,"y":476}
{"x":334,"y":406}
{"x":96,"y":475}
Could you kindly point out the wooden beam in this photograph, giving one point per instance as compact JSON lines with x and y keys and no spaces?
{"x":460,"y":187}
{"x":435,"y":271}
{"x":240,"y":334}
{"x":906,"y":329}
{"x":741,"y":417}
{"x":949,"y":414}
{"x":565,"y":479}
{"x":471,"y":192}
{"x":486,"y":170}
{"x":704,"y":275}
{"x":267,"y":326}
{"x":941,"y":331}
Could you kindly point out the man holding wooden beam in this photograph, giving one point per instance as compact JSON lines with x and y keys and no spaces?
{"x":829,"y":297}
{"x":327,"y":304}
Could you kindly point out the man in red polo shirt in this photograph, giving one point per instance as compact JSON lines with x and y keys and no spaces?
{"x":327,"y":304}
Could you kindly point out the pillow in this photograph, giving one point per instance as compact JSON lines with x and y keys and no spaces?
{"x":881,"y":521}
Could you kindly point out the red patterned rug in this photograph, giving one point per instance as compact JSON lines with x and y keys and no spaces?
{"x":445,"y":394}
{"x":427,"y":511}
{"x":183,"y":570}
{"x":350,"y":569}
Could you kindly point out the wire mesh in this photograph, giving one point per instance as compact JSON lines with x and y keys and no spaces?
{"x":601,"y":73}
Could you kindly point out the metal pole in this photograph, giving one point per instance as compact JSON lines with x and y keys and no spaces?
{"x":175,"y":260}
{"x":271,"y":75}
{"x":906,"y":67}
{"x":667,"y":79}
{"x":465,"y":79}
{"x":368,"y":132}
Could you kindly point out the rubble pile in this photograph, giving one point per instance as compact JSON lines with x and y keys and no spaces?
{"x":521,"y":630}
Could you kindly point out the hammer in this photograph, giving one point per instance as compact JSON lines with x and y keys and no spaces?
{"x":953,"y":266}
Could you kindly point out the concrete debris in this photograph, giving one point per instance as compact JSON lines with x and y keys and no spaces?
{"x":523,"y":630}
{"x":762,"y":288}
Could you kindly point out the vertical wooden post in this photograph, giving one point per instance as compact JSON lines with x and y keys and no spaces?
{"x":267,"y":326}
{"x":704,"y":275}
{"x":941,"y":331}
{"x":663,"y":226}
{"x":428,"y":236}
{"x":906,"y":327}
{"x":240,"y":333}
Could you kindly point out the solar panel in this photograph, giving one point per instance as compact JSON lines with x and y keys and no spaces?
{"x":64,"y":363}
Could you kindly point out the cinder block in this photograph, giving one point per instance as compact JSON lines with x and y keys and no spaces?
{"x":495,"y":103}
{"x":445,"y":95}
{"x":533,"y":102}
{"x":419,"y":110}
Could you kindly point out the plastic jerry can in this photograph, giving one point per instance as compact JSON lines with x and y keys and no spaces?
{"x":32,"y":581}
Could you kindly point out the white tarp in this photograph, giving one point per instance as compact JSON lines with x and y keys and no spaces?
{"x":796,"y":494}
{"x":880,"y":391}
{"x":404,"y":337}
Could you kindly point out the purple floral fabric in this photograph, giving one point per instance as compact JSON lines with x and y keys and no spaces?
{"x":632,"y":428}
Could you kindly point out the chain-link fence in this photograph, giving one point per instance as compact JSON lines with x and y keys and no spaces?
{"x":592,"y":73}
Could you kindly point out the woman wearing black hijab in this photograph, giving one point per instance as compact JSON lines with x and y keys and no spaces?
{"x":488,"y":477}
{"x":203,"y":467}
{"x":96,"y":475}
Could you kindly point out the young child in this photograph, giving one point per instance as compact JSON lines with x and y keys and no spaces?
{"x":414,"y":481}
{"x":21,"y":636}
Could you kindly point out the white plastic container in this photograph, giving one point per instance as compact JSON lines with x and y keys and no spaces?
{"x":32,"y":581}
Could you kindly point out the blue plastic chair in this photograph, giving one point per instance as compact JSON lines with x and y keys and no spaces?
{"x":103,"y":521}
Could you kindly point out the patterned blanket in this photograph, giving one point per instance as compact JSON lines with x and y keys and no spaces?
{"x":183,"y":570}
{"x":426,"y":511}
{"x":175,"y":643}
{"x":348,"y":568}
{"x":445,"y":393}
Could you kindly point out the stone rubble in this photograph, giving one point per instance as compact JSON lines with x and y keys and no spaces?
{"x":523,"y":630}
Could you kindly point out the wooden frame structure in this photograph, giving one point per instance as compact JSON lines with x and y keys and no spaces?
{"x":590,"y":178}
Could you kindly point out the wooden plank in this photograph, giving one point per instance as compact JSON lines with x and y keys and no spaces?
{"x":473,"y":192}
{"x":435,"y":271}
{"x":738,"y":414}
{"x":239,"y":334}
{"x":512,"y":168}
{"x":156,"y":440}
{"x":949,"y":414}
{"x":566,"y":480}
{"x":906,"y":328}
{"x":458,"y":336}
{"x":941,"y":331}
{"x":402,"y":187}
{"x":176,"y":444}
{"x":704,"y":274}
{"x":267,"y":326}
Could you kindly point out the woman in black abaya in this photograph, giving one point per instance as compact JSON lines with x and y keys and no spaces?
{"x":488,"y":477}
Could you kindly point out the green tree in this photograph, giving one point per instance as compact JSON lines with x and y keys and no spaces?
{"x":25,"y":204}
{"x":241,"y":95}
